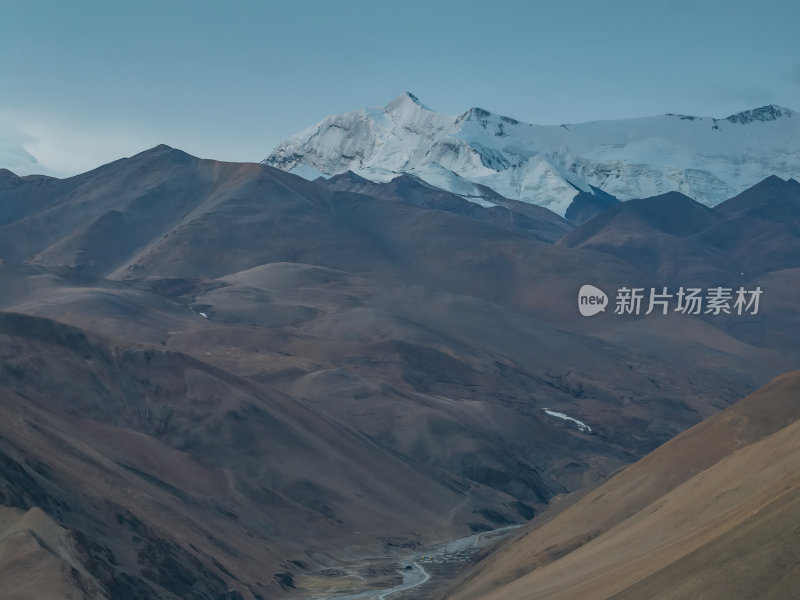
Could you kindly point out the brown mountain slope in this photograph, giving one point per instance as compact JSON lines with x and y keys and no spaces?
{"x":709,"y":514}
{"x":658,"y":235}
{"x":146,"y":456}
{"x":38,"y":559}
{"x":761,"y":229}
{"x":750,"y":241}
{"x":684,"y":242}
{"x":511,"y":214}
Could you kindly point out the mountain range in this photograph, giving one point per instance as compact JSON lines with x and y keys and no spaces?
{"x":219,"y":377}
{"x":708,"y":159}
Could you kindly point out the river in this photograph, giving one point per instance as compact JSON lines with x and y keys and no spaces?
{"x":412,"y":567}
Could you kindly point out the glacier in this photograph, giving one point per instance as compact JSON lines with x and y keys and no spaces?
{"x":709,"y":159}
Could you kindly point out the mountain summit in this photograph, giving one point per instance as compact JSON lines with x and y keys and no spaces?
{"x":708,"y":159}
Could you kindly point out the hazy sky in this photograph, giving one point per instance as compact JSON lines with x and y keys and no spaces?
{"x":86,"y":82}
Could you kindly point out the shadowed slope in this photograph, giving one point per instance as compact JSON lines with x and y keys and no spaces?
{"x":541,"y":223}
{"x":221,"y":477}
{"x":711,"y":513}
{"x":679,"y":239}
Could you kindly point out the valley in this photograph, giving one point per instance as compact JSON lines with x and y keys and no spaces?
{"x":431,"y":567}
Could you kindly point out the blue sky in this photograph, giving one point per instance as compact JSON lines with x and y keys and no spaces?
{"x":85,"y":82}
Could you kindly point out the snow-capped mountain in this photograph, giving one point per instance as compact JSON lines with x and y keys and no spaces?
{"x":709,"y":159}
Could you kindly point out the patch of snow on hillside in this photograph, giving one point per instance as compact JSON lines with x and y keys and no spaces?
{"x":559,"y":415}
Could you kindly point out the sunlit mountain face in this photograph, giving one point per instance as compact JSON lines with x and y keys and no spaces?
{"x":708,"y":159}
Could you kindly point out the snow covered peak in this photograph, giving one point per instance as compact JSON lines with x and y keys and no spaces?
{"x":708,"y":159}
{"x":475,"y":114}
{"x":404,"y":111}
{"x":386,"y":140}
{"x":404,"y":101}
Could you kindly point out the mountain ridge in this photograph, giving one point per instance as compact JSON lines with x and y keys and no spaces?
{"x":707,"y":158}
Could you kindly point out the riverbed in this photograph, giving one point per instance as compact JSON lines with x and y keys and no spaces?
{"x":376,"y":578}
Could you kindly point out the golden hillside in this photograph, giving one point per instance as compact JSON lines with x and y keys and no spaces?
{"x":713,"y":513}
